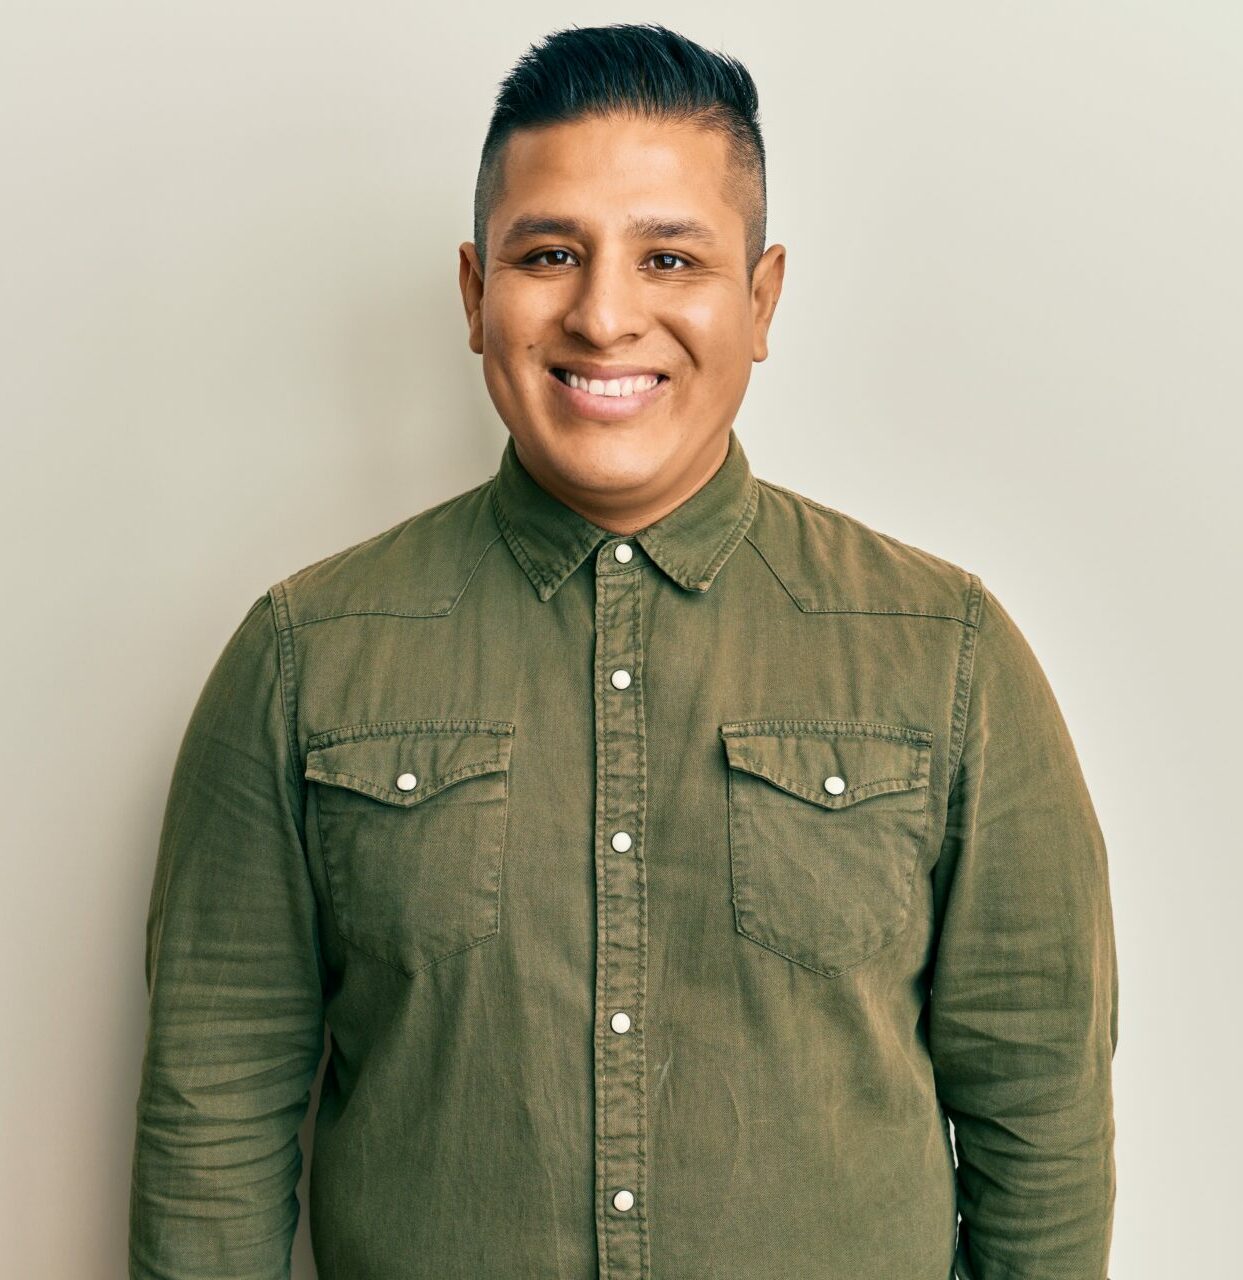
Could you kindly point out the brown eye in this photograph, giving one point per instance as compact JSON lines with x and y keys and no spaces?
{"x":544,"y":253}
{"x":666,"y":257}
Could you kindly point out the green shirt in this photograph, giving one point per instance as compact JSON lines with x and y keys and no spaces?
{"x":665,"y":896}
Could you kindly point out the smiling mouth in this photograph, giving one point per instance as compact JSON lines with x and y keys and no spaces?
{"x":616,"y":388}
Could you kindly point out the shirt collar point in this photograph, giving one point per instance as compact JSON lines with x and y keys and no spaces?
{"x":550,"y":540}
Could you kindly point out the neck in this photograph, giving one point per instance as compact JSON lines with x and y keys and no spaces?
{"x":626,"y":513}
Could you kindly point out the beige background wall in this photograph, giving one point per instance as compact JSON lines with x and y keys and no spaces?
{"x":232,"y":343}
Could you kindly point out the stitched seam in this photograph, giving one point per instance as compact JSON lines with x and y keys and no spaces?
{"x":396,"y":728}
{"x":854,"y":520}
{"x":500,"y":862}
{"x":491,"y":542}
{"x":734,"y":536}
{"x":829,"y":728}
{"x":287,"y":669}
{"x":755,"y":546}
{"x":729,"y":540}
{"x":802,"y":497}
{"x":965,"y":678}
{"x":603,"y":773}
{"x":738,"y":881}
{"x":559,"y":572}
{"x":373,"y":613}
{"x":851,"y":609}
{"x":882,"y":613}
{"x":516,"y":545}
{"x":828,"y":973}
{"x":402,"y":613}
{"x":641,"y":994}
{"x":406,"y":799}
{"x":287,"y":663}
{"x":342,"y":552}
{"x":859,"y":792}
{"x":335,"y":889}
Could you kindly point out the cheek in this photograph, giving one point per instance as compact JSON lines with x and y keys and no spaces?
{"x":717,"y":338}
{"x":499,"y":329}
{"x":517,"y":318}
{"x":507,"y":355}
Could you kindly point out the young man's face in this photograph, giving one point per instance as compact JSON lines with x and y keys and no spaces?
{"x":597,"y":293}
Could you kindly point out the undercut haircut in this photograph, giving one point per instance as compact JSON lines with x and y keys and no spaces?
{"x":631,"y":69}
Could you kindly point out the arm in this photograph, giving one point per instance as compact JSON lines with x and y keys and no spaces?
{"x":235,"y":1014}
{"x":1024,"y":1002}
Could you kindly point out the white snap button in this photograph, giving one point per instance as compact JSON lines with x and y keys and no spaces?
{"x":623,"y":1200}
{"x":620,"y":1022}
{"x":834,"y":785}
{"x":406,"y":782}
{"x":623,"y":552}
{"x":620,"y":679}
{"x":621,"y":841}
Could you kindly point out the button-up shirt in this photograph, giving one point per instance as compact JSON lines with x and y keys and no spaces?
{"x":665,"y":896}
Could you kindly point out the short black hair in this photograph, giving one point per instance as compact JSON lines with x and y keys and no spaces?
{"x":641,"y":69}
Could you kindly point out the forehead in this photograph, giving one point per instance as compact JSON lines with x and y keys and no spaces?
{"x":618,"y":168}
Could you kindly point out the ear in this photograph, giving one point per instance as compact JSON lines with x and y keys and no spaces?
{"x":470,"y":281}
{"x":765,"y":290}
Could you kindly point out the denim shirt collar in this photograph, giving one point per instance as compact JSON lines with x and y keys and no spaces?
{"x":690,"y":543}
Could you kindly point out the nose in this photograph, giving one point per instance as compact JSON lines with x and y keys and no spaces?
{"x":608,"y":304}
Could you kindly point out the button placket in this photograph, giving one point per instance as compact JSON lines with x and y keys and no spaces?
{"x":621,"y":914}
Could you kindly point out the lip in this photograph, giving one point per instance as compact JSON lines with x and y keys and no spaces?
{"x":606,"y":408}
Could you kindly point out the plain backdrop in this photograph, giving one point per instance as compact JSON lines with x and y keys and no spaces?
{"x":232,"y":343}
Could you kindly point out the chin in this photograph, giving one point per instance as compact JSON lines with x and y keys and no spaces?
{"x":602,"y":457}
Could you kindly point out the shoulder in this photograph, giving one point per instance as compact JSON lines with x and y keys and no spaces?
{"x":417,"y":567}
{"x":832,"y":562}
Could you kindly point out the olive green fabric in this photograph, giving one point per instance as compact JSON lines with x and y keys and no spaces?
{"x":664,"y":895}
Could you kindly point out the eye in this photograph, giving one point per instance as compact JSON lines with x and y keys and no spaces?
{"x":534,"y":259}
{"x":676,"y":257}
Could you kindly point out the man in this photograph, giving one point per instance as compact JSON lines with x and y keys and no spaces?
{"x":671,"y":857}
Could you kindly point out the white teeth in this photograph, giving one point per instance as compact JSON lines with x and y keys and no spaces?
{"x":614,"y":386}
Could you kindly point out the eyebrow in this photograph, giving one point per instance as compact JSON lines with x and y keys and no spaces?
{"x":530,"y":225}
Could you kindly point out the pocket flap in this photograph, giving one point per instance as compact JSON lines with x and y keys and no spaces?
{"x":856,"y":758}
{"x":403,"y":762}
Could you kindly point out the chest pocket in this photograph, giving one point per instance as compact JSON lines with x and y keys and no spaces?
{"x":411,"y":819}
{"x":826,"y":825}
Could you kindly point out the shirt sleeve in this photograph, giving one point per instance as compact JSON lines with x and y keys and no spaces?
{"x":235,"y":1013}
{"x":1024,"y":997}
